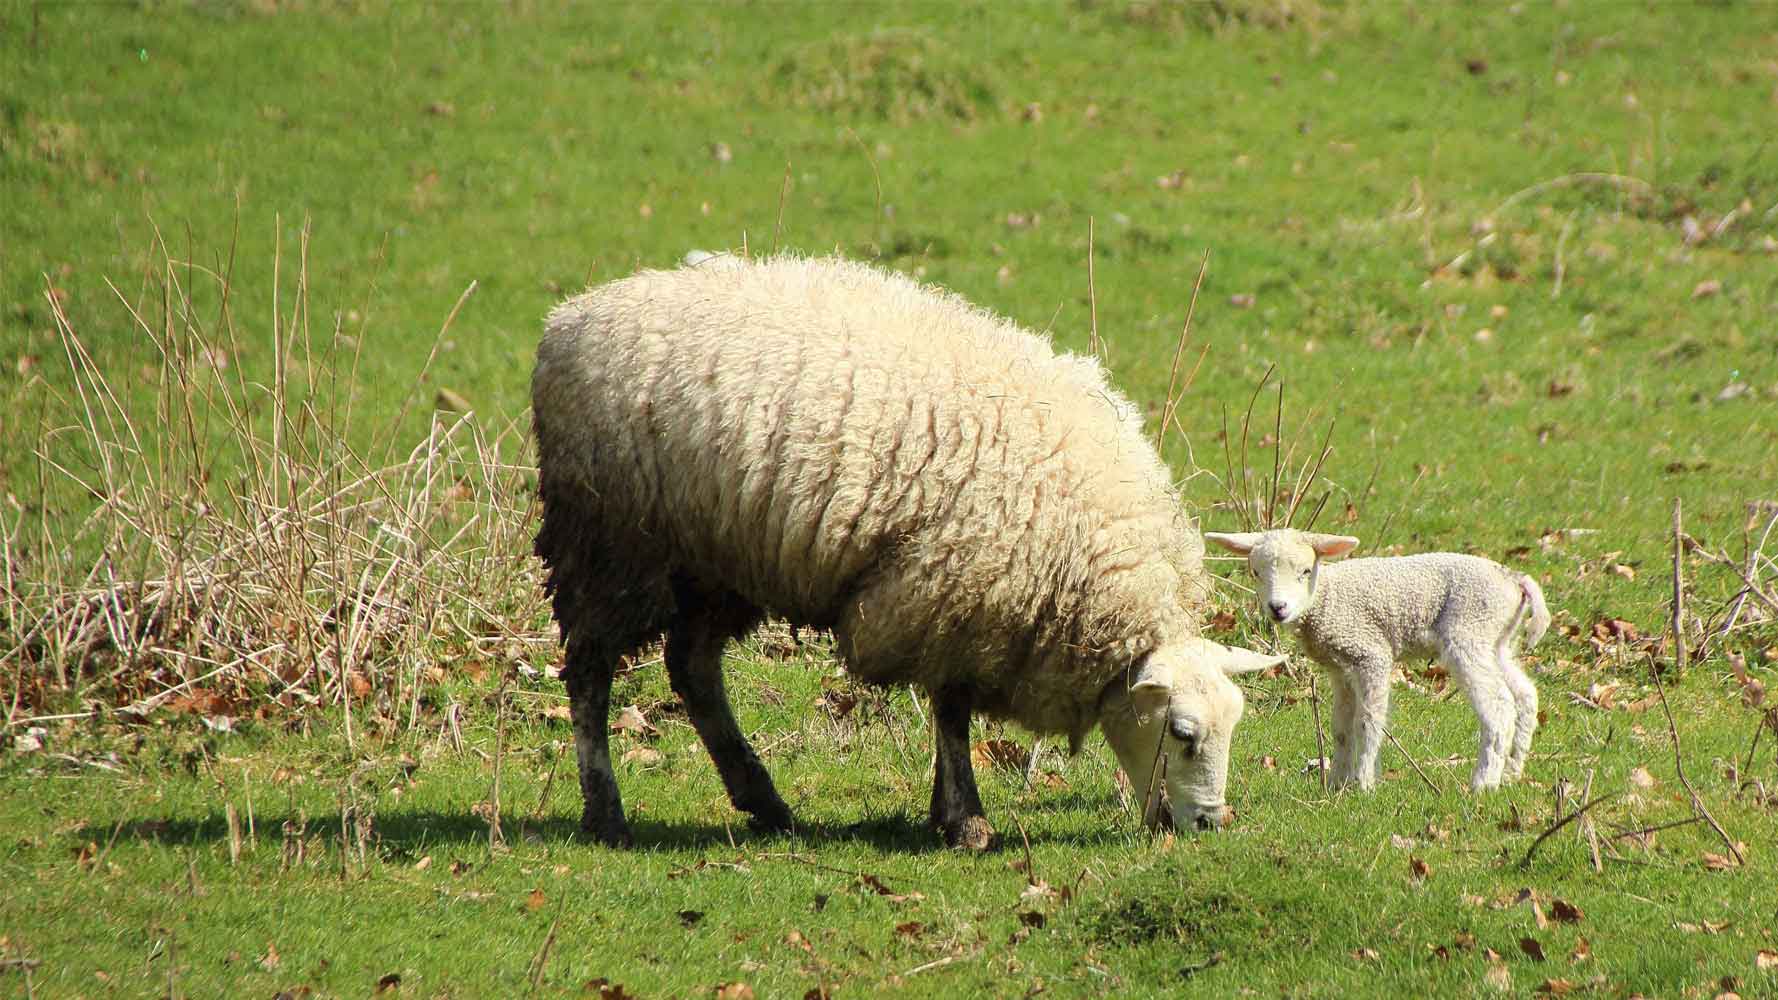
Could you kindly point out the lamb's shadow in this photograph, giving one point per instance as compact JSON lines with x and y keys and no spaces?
{"x":412,"y":833}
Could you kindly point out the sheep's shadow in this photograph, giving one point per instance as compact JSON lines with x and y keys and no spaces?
{"x":412,"y":833}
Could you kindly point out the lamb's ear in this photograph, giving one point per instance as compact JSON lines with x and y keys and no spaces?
{"x":1233,"y":660}
{"x":1331,"y":546}
{"x":1238,"y":542}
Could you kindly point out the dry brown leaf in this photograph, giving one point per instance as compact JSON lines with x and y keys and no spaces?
{"x":642,"y":756}
{"x":1555,"y":987}
{"x":795,"y":939}
{"x":423,"y":864}
{"x":734,"y":991}
{"x":560,"y":713}
{"x":1583,"y":950}
{"x":535,"y":900}
{"x":1400,"y":842}
{"x":1003,"y":754}
{"x":1498,"y":977}
{"x":1531,"y":947}
{"x":392,"y":981}
{"x":607,"y":990}
{"x":270,"y":960}
{"x":911,"y":929}
{"x":1719,"y":862}
{"x":690,"y":918}
{"x":1703,"y":926}
{"x":1766,"y":960}
{"x":1619,"y":569}
{"x":1565,"y":912}
{"x":1365,"y":954}
{"x":631,"y":720}
{"x":1418,"y":870}
{"x":1706,"y":288}
{"x":1640,"y":778}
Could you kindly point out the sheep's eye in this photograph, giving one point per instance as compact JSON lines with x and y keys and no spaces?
{"x":1186,"y":732}
{"x":1304,"y":574}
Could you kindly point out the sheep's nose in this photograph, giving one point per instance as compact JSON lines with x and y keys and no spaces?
{"x":1277,"y":608}
{"x":1215,"y":819}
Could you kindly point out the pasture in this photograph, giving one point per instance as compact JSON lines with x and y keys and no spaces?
{"x":279,"y":711}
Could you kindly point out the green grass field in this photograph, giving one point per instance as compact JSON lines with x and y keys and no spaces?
{"x":259,"y":261}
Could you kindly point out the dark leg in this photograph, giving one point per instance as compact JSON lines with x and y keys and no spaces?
{"x":956,"y":807}
{"x":694,"y":666}
{"x":588,"y":673}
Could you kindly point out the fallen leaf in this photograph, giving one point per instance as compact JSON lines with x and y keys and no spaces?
{"x":560,"y":713}
{"x":1033,"y":919}
{"x":1400,"y":842}
{"x":1004,"y":754}
{"x":1640,"y":777}
{"x":535,"y":900}
{"x":910,"y":930}
{"x":1706,"y":288}
{"x":1242,"y":300}
{"x":631,"y":720}
{"x":1619,"y":569}
{"x":423,"y":864}
{"x":607,"y":990}
{"x":1766,"y":960}
{"x":459,"y":867}
{"x":1531,"y":947}
{"x":1555,"y":987}
{"x":1565,"y":912}
{"x":392,"y":981}
{"x":642,"y":756}
{"x":1703,"y":927}
{"x":1582,"y":950}
{"x":1465,"y":941}
{"x":270,"y":960}
{"x":1719,"y":862}
{"x":1418,"y":869}
{"x":1365,"y":954}
{"x":690,"y":918}
{"x":734,"y":991}
{"x":1498,"y":977}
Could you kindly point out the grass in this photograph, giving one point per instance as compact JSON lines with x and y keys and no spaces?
{"x":1522,"y":259}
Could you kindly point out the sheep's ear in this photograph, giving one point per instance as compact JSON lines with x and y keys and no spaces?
{"x":1238,"y":542}
{"x":1331,"y":546}
{"x":1152,"y":686}
{"x":1232,"y":660}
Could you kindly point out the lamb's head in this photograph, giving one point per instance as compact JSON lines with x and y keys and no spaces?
{"x":1171,"y":722}
{"x":1286,"y":564}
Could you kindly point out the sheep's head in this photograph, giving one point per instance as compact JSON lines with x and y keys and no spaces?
{"x":1171,"y":722}
{"x":1285,"y":563}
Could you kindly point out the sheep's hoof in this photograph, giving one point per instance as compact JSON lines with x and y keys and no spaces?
{"x":606,"y":830}
{"x":972,"y":833}
{"x":772,"y":820}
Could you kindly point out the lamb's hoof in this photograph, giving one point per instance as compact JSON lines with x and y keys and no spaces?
{"x":972,"y":833}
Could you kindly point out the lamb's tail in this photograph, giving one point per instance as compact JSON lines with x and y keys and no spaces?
{"x":1531,"y":607}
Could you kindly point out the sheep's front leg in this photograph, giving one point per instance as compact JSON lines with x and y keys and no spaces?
{"x":587,"y":672}
{"x":1370,"y":690}
{"x":1478,"y":671}
{"x":693,"y":656}
{"x":1343,"y":721}
{"x":956,"y":806}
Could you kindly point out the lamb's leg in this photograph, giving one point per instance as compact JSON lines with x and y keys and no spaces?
{"x":587,"y":672}
{"x":956,"y":807}
{"x":1369,"y":679}
{"x":1342,"y":721}
{"x":1478,"y":670}
{"x":694,"y":667}
{"x":1524,"y":692}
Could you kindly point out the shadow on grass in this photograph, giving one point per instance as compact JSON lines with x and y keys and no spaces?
{"x":404,"y":833}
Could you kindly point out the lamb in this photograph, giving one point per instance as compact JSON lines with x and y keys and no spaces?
{"x":1358,"y":617}
{"x":966,"y":510}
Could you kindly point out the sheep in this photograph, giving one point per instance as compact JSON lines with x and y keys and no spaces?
{"x":1358,"y":617}
{"x":966,"y":511}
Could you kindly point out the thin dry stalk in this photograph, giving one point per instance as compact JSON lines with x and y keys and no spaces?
{"x":1093,"y":343}
{"x":1404,"y":752}
{"x":1679,"y":766}
{"x":1174,"y":389}
{"x":1320,"y":739}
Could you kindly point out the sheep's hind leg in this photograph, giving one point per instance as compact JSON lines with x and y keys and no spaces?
{"x":956,"y":806}
{"x":694,"y":667}
{"x":1479,"y":673}
{"x":587,"y":671}
{"x":1343,"y":722}
{"x":1524,"y":692}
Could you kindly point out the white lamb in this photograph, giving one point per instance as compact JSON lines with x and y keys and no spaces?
{"x":1360,"y":616}
{"x":965,"y":509}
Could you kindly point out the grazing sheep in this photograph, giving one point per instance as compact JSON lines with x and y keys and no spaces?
{"x":1360,"y":616}
{"x":834,"y":444}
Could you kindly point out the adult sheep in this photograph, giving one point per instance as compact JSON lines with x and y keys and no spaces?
{"x":964,"y":509}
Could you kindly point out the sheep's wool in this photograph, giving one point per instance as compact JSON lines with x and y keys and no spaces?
{"x":842,"y":447}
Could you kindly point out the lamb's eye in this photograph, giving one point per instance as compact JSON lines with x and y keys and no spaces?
{"x":1304,"y":574}
{"x":1186,"y":732}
